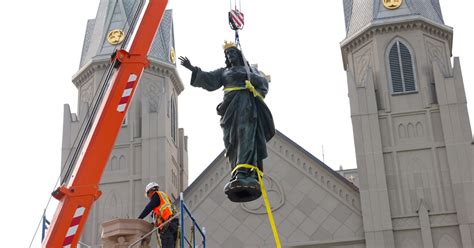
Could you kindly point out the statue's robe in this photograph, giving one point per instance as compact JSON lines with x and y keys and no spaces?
{"x":246,"y":120}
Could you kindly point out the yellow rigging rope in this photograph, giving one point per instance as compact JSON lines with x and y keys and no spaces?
{"x":265,"y":199}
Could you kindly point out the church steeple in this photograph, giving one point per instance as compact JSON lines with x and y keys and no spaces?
{"x":411,"y":130}
{"x":362,"y":13}
{"x":113,"y":15}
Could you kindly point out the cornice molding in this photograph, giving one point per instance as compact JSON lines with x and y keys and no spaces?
{"x":354,"y":42}
{"x":88,"y":70}
{"x":156,"y":67}
{"x":167,"y":70}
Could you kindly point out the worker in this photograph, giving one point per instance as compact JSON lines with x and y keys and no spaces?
{"x":162,"y":210}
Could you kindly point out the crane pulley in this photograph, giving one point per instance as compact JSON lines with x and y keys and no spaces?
{"x":236,"y":20}
{"x":236,"y":17}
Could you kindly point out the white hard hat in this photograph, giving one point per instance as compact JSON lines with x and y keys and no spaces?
{"x":150,"y":186}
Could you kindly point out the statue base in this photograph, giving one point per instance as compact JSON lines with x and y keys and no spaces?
{"x":243,"y":189}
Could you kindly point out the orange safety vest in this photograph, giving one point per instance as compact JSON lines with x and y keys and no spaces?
{"x":164,"y":211}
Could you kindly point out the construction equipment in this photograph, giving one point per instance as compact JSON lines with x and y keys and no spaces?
{"x":80,"y":184}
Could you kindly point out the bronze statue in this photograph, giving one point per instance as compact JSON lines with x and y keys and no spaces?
{"x":245,"y":119}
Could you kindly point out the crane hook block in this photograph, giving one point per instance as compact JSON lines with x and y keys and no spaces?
{"x":236,"y":19}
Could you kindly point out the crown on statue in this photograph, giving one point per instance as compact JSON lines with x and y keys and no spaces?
{"x":229,"y":44}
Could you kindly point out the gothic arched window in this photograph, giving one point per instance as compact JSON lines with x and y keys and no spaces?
{"x":174,"y":119}
{"x":402,"y":69}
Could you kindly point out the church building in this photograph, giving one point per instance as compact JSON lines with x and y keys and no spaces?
{"x":413,"y":142}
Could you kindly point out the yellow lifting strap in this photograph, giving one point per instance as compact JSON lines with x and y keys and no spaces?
{"x":265,"y":199}
{"x":248,"y":86}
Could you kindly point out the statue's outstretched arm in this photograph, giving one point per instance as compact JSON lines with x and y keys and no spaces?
{"x":208,"y":80}
{"x":187,"y":63}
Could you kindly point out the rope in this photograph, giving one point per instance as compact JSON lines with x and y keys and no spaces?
{"x":193,"y":235}
{"x":154,"y":230}
{"x":248,"y":86}
{"x":178,"y":237}
{"x":265,"y":199}
{"x":235,"y":4}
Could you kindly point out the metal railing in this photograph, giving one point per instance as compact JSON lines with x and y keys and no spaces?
{"x":154,"y":230}
{"x":184,"y":209}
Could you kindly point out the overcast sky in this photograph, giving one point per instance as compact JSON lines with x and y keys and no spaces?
{"x":297,"y":44}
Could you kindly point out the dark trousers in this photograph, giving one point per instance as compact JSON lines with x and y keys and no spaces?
{"x":169,"y":234}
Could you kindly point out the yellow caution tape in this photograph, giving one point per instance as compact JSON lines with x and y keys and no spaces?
{"x":265,"y":199}
{"x":248,"y":86}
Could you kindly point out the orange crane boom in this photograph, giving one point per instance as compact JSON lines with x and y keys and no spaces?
{"x":82,"y":188}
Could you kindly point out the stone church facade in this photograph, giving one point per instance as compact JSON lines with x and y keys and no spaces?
{"x":413,"y":142}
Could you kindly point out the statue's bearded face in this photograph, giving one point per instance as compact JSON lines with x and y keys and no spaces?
{"x":233,"y":56}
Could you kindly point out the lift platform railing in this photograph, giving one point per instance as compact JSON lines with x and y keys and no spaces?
{"x":154,"y":230}
{"x":185,"y":211}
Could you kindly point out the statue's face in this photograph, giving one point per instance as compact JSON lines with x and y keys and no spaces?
{"x":233,"y":56}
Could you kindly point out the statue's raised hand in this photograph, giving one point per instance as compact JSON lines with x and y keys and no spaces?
{"x":187,"y":63}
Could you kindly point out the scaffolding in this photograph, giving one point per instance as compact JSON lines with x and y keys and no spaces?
{"x":191,"y":240}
